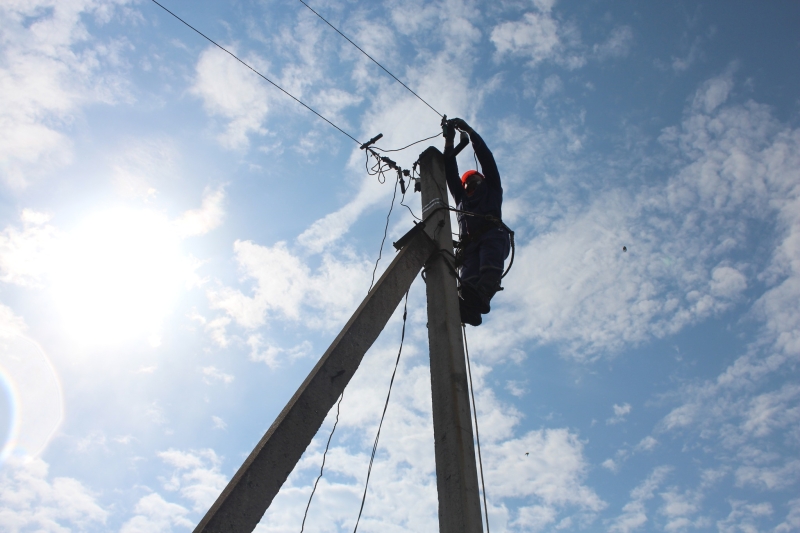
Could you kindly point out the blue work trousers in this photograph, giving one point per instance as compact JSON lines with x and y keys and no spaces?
{"x":482,"y":267}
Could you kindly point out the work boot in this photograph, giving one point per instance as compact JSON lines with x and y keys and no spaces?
{"x":469,"y":314}
{"x":474,"y":298}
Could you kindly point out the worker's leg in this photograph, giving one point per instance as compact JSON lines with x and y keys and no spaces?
{"x":494,"y":247}
{"x":469,"y":301}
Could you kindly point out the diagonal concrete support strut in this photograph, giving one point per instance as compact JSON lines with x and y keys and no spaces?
{"x":248,"y":495}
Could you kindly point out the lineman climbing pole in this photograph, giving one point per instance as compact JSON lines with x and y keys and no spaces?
{"x":245,"y":499}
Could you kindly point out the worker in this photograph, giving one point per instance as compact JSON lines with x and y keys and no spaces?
{"x":483,"y":241}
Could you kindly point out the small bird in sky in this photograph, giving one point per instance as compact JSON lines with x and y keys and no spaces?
{"x":624,"y":248}
{"x":526,"y":454}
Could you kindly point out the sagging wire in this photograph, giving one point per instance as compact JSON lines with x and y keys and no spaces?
{"x":322,"y":468}
{"x":383,"y":415}
{"x":385,"y":230}
{"x":371,"y":58}
{"x":477,"y":433}
{"x":287,"y":93}
{"x":408,"y":146}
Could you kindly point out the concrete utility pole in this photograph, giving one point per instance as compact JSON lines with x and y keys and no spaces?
{"x":249,"y":493}
{"x":456,"y":474}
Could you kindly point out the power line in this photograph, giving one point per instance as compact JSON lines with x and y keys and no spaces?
{"x":369,"y":56}
{"x":385,"y":230}
{"x":284,"y":91}
{"x":322,"y":468}
{"x":408,"y":146}
{"x":477,"y":433}
{"x":380,"y":424}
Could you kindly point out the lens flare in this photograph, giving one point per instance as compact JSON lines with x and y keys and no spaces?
{"x":9,"y":416}
{"x":34,"y":407}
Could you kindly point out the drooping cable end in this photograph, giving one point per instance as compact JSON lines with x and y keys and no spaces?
{"x":371,"y":141}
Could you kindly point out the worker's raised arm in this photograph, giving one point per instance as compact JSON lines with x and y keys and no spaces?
{"x":485,"y":157}
{"x":451,"y":166}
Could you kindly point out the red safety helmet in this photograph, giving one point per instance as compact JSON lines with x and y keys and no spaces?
{"x":467,"y":174}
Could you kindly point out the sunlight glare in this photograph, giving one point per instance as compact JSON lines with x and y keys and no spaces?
{"x":120,"y":275}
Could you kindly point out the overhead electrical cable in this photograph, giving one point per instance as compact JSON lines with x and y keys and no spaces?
{"x":385,"y":230}
{"x":372,"y":58}
{"x":477,"y":434}
{"x":407,"y":146}
{"x":385,"y":405}
{"x":284,"y":91}
{"x":322,"y":468}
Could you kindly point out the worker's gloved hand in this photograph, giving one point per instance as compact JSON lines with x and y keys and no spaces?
{"x":460,"y":124}
{"x":449,"y":132}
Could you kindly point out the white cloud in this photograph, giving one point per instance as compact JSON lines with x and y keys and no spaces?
{"x":285,"y":285}
{"x":230,"y":90}
{"x":647,"y":444}
{"x":26,"y":255}
{"x":634,"y":513}
{"x":207,"y":217}
{"x":552,"y":473}
{"x":771,"y":478}
{"x":219,"y":423}
{"x":262,"y":351}
{"x":535,"y":36}
{"x":792,"y":521}
{"x":196,"y":476}
{"x":212,"y":374}
{"x":620,"y":412}
{"x":713,"y":93}
{"x":618,"y":44}
{"x":744,"y":517}
{"x":155,"y":515}
{"x":50,"y":67}
{"x":31,"y":500}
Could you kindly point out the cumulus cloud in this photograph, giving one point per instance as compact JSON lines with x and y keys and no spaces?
{"x":156,"y":515}
{"x":285,"y":285}
{"x":233,"y":92}
{"x":32,"y":500}
{"x":50,"y":67}
{"x":545,"y":467}
{"x":27,"y":253}
{"x":196,"y":476}
{"x":207,"y":217}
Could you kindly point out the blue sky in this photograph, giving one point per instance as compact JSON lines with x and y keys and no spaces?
{"x":180,"y":242}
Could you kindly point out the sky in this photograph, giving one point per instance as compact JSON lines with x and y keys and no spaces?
{"x":180,"y":242}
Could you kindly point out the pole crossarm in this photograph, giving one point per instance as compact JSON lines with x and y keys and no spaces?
{"x":248,"y":495}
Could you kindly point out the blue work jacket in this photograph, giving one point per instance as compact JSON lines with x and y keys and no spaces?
{"x":488,"y":196}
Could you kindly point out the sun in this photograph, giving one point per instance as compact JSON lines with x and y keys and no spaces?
{"x":120,"y":273}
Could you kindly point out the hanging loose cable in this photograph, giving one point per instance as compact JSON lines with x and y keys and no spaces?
{"x":371,"y":58}
{"x":408,"y":146}
{"x":385,"y":405}
{"x":477,"y":433}
{"x":322,"y":468}
{"x":284,"y":91}
{"x":385,"y":230}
